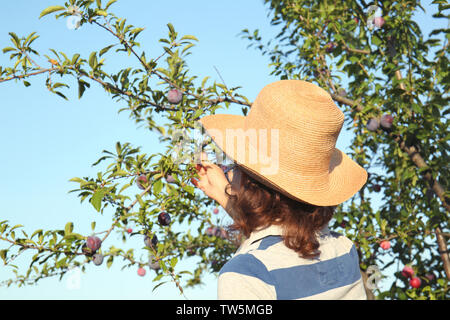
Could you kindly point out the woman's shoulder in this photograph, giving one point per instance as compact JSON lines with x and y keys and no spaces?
{"x":339,"y":238}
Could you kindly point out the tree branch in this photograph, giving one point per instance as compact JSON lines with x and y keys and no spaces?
{"x":115,"y":88}
{"x":22,"y":76}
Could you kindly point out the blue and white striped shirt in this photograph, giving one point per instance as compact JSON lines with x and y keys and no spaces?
{"x":264,"y":268}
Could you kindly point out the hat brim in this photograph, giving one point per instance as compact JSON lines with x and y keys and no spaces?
{"x":345,"y":176}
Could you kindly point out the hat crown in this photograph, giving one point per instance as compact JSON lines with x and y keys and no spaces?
{"x":297,"y":101}
{"x":307,"y":119}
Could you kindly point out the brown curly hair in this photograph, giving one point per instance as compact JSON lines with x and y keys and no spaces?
{"x":256,"y":205}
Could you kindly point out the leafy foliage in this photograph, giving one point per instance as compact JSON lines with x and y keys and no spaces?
{"x":143,"y":90}
{"x":392,"y":69}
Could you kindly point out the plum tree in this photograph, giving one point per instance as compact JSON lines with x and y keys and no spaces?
{"x":386,"y":65}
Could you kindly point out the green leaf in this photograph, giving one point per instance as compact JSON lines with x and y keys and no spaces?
{"x":97,"y":198}
{"x":31,"y":38}
{"x":159,"y":284}
{"x":189,"y":37}
{"x":187,"y":48}
{"x":101,"y":13}
{"x":68,"y":228}
{"x":16,"y":226}
{"x":81,"y":88}
{"x":124,"y":187}
{"x":141,"y":202}
{"x":137,"y":30}
{"x":58,"y":85}
{"x":50,"y":10}
{"x":106,"y":49}
{"x":173,"y":262}
{"x":171,"y":28}
{"x":77,"y":180}
{"x":74,"y":236}
{"x":158,"y":277}
{"x":7,"y":49}
{"x":35,"y":233}
{"x":93,"y":59}
{"x":204,"y":81}
{"x":75,"y":58}
{"x":3,"y":254}
{"x":93,"y":225}
{"x":61,"y":95}
{"x":383,"y":226}
{"x":417,"y":108}
{"x":110,"y":261}
{"x":119,"y":173}
{"x":15,"y":39}
{"x":109,"y":4}
{"x":197,"y":113}
{"x":189,"y":189}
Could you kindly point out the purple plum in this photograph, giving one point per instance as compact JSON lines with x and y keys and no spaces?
{"x":151,"y":242}
{"x":164,"y":219}
{"x":386,"y":121}
{"x":97,"y":259}
{"x":170,"y":179}
{"x":373,"y":124}
{"x":141,"y":181}
{"x":93,"y":243}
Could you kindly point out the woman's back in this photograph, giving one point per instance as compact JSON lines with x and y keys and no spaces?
{"x":264,"y":268}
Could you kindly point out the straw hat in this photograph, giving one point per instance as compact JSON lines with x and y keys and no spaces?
{"x":287,"y":141}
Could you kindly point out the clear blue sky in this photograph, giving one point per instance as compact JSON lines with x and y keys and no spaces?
{"x":47,"y":140}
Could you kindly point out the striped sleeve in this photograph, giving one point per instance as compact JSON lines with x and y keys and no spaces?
{"x":245,"y":277}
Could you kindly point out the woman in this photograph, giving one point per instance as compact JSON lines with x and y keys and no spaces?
{"x":282,"y":203}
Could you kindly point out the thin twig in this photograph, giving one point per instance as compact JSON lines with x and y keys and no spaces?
{"x":22,"y":76}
